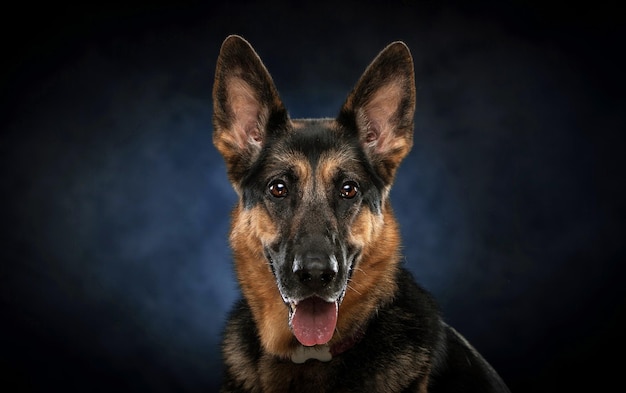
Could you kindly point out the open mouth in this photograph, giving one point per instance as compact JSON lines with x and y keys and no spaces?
{"x":313,"y":320}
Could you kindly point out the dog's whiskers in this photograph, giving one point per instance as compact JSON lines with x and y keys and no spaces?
{"x":361,"y":270}
{"x":352,"y":288}
{"x":338,"y":333}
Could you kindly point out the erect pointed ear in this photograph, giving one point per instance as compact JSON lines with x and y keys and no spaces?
{"x":381,"y":107}
{"x":246,"y":107}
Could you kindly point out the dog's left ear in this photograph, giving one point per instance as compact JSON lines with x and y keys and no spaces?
{"x":381,"y":107}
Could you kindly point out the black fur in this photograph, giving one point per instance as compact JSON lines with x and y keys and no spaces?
{"x":299,"y":238}
{"x":408,"y":325}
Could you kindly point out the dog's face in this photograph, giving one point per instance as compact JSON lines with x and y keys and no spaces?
{"x":312,"y":193}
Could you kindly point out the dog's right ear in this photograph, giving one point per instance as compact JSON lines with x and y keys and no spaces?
{"x":246,"y":107}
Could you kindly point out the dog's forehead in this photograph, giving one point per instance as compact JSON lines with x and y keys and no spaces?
{"x":320,"y":143}
{"x":314,"y":135}
{"x":300,"y":124}
{"x":317,"y":145}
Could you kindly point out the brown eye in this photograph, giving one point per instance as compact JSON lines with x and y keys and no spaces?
{"x":278,"y":189}
{"x":349,"y":190}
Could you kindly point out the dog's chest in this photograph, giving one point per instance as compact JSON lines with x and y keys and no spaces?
{"x":313,"y":376}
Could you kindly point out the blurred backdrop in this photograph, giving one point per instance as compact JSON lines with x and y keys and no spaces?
{"x":115,"y":269}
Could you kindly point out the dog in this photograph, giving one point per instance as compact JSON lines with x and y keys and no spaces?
{"x":326,"y":305}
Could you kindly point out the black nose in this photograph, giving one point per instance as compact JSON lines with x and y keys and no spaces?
{"x":316,"y":270}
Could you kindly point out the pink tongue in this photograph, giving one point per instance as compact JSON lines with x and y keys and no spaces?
{"x":314,"y":321}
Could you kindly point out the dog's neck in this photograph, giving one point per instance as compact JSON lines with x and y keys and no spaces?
{"x":325,"y":353}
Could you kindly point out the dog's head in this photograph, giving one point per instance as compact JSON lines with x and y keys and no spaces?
{"x":312,"y":229}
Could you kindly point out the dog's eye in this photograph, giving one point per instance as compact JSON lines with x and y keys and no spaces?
{"x":278,"y":189}
{"x":349,"y":190}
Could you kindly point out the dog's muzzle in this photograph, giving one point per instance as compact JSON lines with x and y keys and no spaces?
{"x":313,"y":319}
{"x":315,"y":270}
{"x":312,"y":286}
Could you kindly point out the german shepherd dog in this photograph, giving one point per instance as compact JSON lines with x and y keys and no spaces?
{"x":326,"y":305}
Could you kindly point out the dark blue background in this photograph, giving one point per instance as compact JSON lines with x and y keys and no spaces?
{"x":116,"y":273}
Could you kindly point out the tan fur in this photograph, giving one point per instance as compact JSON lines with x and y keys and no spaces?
{"x":372,"y":282}
{"x":388,"y":334}
{"x":249,"y":114}
{"x":377,"y":116}
{"x":249,"y":230}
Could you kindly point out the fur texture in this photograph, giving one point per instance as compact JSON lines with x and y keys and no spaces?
{"x":316,"y":245}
